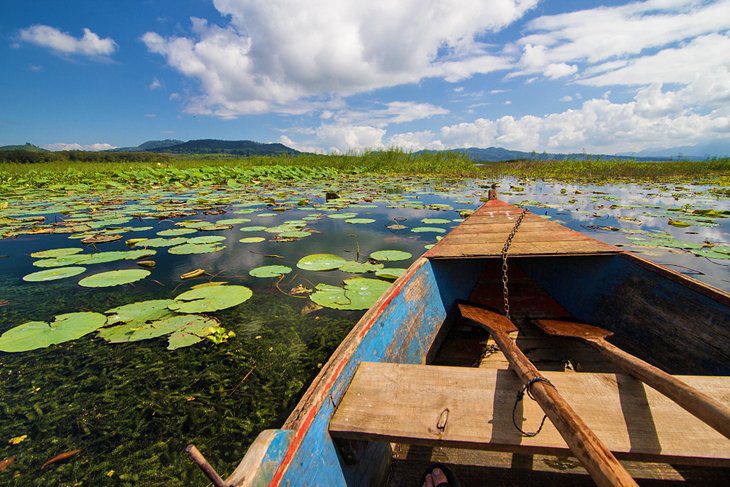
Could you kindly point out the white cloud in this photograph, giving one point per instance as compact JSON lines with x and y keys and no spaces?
{"x":266,"y":59}
{"x":673,"y":65}
{"x":344,"y":138}
{"x":614,"y":45}
{"x":88,"y":147}
{"x":566,"y":98}
{"x":90,"y":44}
{"x":395,"y":112}
{"x":155,"y":84}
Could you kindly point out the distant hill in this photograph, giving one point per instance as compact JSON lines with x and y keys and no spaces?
{"x":25,"y":147}
{"x":498,"y":154}
{"x":210,"y":146}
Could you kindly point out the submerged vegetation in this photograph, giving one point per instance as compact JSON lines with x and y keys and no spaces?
{"x":143,"y":169}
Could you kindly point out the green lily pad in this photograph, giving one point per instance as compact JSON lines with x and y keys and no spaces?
{"x":254,"y":228}
{"x":210,"y":298}
{"x":252,"y":239}
{"x":53,"y":253}
{"x":390,"y":273}
{"x":390,"y":255}
{"x":53,"y":274}
{"x":113,"y":256}
{"x":678,"y":223}
{"x":352,"y":267}
{"x":114,"y":278}
{"x":140,"y":311}
{"x":295,"y":234}
{"x":204,"y":248}
{"x":270,"y":271}
{"x":206,"y":239}
{"x":435,"y":221}
{"x":428,"y":230}
{"x":161,"y":242}
{"x":176,"y":232}
{"x":360,"y":221}
{"x":338,"y":216}
{"x":62,"y":261}
{"x":39,"y":334}
{"x":321,"y":262}
{"x":358,"y":293}
{"x":233,"y":221}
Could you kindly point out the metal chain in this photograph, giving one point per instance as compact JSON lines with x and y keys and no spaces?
{"x":505,"y":251}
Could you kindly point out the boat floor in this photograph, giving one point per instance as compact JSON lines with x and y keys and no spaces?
{"x":467,"y":346}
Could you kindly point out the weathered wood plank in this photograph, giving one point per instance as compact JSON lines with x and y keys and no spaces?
{"x":403,"y":403}
{"x":483,"y":234}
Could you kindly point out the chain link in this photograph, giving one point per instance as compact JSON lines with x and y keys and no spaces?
{"x":505,"y":268}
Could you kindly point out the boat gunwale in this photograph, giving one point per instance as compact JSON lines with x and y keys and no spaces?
{"x":318,"y":391}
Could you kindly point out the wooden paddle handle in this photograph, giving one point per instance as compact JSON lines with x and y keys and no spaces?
{"x":595,"y":457}
{"x":706,"y":408}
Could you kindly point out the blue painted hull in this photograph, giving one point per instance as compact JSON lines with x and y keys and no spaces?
{"x":648,"y":307}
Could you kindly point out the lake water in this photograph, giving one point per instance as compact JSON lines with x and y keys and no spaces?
{"x":130,"y":408}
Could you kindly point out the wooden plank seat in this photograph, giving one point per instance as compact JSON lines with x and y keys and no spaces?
{"x":471,"y":408}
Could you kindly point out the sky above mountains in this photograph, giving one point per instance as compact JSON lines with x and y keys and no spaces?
{"x":339,"y":75}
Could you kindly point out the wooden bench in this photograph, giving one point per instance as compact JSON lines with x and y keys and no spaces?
{"x":471,"y":408}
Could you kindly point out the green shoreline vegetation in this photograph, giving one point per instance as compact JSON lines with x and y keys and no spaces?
{"x":136,"y":169}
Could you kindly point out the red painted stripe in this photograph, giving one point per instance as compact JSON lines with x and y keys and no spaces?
{"x":304,"y":428}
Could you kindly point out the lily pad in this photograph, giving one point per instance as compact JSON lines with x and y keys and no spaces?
{"x":428,"y":230}
{"x":161,"y":242}
{"x":206,"y":239}
{"x":39,"y":334}
{"x":358,"y":293}
{"x":176,"y":232}
{"x":210,"y":298}
{"x":270,"y":271}
{"x":352,"y":267}
{"x":338,"y":216}
{"x":390,"y":255}
{"x":321,"y":262}
{"x":254,"y":228}
{"x":53,"y":274}
{"x":140,"y":312}
{"x":114,"y":278}
{"x":390,"y":273}
{"x":360,"y":221}
{"x":435,"y":221}
{"x":204,"y":248}
{"x":53,"y":253}
{"x":62,"y":261}
{"x":252,"y":239}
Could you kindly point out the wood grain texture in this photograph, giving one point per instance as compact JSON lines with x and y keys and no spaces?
{"x":402,"y":403}
{"x":483,"y":234}
{"x":592,"y":452}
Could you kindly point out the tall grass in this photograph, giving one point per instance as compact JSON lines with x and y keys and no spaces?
{"x":221,"y":169}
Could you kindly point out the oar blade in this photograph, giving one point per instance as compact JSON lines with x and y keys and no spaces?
{"x":493,"y":322}
{"x":573,"y":330}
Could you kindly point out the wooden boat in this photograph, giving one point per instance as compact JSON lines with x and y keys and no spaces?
{"x":414,"y":382}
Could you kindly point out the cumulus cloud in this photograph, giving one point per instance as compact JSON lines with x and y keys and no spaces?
{"x":90,"y":44}
{"x":395,"y":112}
{"x":605,"y":39}
{"x":346,"y":138}
{"x":88,"y":147}
{"x":155,"y":84}
{"x":266,"y":59}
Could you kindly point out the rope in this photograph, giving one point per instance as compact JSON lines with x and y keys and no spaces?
{"x":520,"y":395}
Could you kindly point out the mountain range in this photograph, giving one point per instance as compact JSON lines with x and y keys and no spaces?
{"x":210,"y":146}
{"x":489,"y":154}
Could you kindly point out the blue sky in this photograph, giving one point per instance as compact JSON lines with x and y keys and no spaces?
{"x":340,"y":75}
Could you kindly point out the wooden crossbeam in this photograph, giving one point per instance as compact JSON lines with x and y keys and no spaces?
{"x":465,"y":407}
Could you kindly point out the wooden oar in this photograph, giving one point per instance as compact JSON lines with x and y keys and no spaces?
{"x":706,"y":408}
{"x":595,"y":457}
